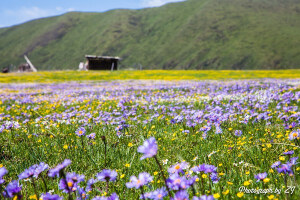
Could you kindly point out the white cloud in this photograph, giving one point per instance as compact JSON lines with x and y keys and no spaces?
{"x":25,"y":13}
{"x":70,"y":9}
{"x":28,"y":13}
{"x":156,"y":3}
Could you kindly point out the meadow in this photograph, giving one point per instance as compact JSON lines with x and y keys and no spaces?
{"x":80,"y":76}
{"x":120,"y":138}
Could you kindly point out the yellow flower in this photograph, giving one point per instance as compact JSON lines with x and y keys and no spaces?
{"x":246,"y":183}
{"x":155,"y":173}
{"x":220,"y":165}
{"x":225,"y":192}
{"x":33,"y":197}
{"x":65,"y":146}
{"x":204,"y":176}
{"x":221,"y":174}
{"x":230,"y":183}
{"x":1,"y":165}
{"x":271,"y":197}
{"x":230,"y":129}
{"x":127,"y":165}
{"x":122,"y":176}
{"x":130,"y":144}
{"x":197,"y":179}
{"x":240,"y":194}
{"x":216,"y":196}
{"x":266,"y":180}
{"x":247,"y":172}
{"x":271,"y":170}
{"x":282,"y":158}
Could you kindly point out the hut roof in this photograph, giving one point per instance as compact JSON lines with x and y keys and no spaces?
{"x":93,"y":57}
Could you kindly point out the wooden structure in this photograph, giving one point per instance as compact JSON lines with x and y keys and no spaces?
{"x":102,"y":62}
{"x":26,"y":67}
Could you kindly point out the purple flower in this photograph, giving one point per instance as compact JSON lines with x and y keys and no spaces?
{"x":149,"y":148}
{"x":49,"y":196}
{"x":218,"y":130}
{"x":275,"y":164}
{"x":158,"y":194}
{"x":209,"y":169}
{"x":294,"y":135}
{"x":3,"y":171}
{"x":113,"y":196}
{"x":238,"y":133}
{"x":288,"y":153}
{"x":81,"y":194}
{"x":91,"y":136}
{"x":290,"y":126}
{"x":80,"y":132}
{"x":70,"y":183}
{"x":204,"y":197}
{"x":100,"y":198}
{"x":261,"y":176}
{"x":40,"y":168}
{"x":293,"y":161}
{"x":181,"y":195}
{"x":12,"y":189}
{"x":178,"y":168}
{"x":285,"y":168}
{"x":199,"y":168}
{"x":90,"y":184}
{"x":33,"y":171}
{"x":28,"y":173}
{"x":2,"y":127}
{"x":214,"y":177}
{"x":177,"y":182}
{"x":107,"y":175}
{"x":56,"y":170}
{"x":144,"y":179}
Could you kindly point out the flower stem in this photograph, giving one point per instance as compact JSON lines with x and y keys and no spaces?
{"x":162,"y":174}
{"x":107,"y":185}
{"x":45,"y":184}
{"x":104,"y":141}
{"x":35,"y":189}
{"x":142,"y":191}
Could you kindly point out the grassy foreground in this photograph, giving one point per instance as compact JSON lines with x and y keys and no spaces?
{"x":232,"y":140}
{"x":61,"y":76}
{"x":192,"y":34}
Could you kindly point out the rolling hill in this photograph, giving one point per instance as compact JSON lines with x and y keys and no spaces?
{"x":195,"y":34}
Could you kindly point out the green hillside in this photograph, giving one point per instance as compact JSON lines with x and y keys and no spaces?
{"x":195,"y":34}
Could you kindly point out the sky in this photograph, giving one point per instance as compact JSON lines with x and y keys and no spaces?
{"x":14,"y":12}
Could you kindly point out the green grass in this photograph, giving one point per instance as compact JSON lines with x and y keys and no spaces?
{"x":259,"y":146}
{"x":195,"y":34}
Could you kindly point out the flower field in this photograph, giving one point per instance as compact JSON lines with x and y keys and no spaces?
{"x":147,"y":139}
{"x":62,"y":76}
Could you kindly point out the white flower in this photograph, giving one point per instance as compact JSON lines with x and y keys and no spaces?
{"x":165,"y":162}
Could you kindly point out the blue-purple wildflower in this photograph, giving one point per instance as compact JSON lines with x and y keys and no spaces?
{"x":149,"y":148}
{"x":56,"y":170}
{"x":143,"y":179}
{"x":107,"y":175}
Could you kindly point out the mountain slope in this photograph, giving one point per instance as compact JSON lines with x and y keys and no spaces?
{"x":195,"y":34}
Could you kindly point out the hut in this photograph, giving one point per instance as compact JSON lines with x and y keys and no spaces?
{"x":102,"y":62}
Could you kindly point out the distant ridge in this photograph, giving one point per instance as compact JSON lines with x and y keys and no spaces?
{"x":195,"y":34}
